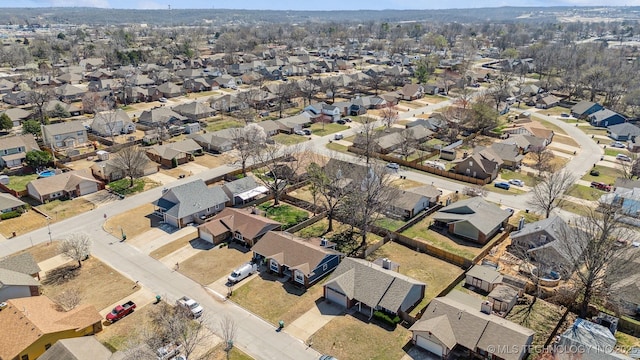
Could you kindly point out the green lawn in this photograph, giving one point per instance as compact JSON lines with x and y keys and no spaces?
{"x":286,"y":214}
{"x":456,"y":246}
{"x":609,"y":151}
{"x":223,"y":124}
{"x":433,"y":142}
{"x":591,"y":130}
{"x":585,"y":192}
{"x":122,"y":186}
{"x":607,"y":175}
{"x":513,"y":190}
{"x":508,"y":175}
{"x":326,"y":129}
{"x":389,"y":224}
{"x":554,"y":111}
{"x":19,"y":182}
{"x":286,"y":139}
{"x":337,"y":147}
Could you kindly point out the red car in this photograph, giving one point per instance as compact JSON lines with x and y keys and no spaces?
{"x":121,"y":311}
{"x":600,"y":186}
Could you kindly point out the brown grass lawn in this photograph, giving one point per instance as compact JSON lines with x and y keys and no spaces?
{"x":457,"y":246}
{"x":404,"y":184}
{"x":62,"y":209}
{"x":174,"y":172}
{"x":547,"y":124}
{"x":557,"y":162}
{"x":304,"y":193}
{"x":346,"y":338}
{"x":42,"y":251}
{"x":27,"y":222}
{"x":436,"y":273}
{"x":208,"y":266}
{"x":117,"y":336}
{"x":213,"y":161}
{"x":99,"y":284}
{"x":562,"y":139}
{"x":285,"y":301}
{"x":133,"y":222}
{"x":318,"y":229}
{"x":235,"y":354}
{"x":542,"y":318}
{"x":163,"y":251}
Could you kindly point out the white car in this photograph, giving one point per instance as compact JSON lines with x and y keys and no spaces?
{"x":617,"y":144}
{"x":516,"y":182}
{"x":393,"y":166}
{"x":623,"y":157}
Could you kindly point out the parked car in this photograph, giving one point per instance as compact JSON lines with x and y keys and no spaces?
{"x":168,"y":352}
{"x":617,"y":144}
{"x":190,"y":304}
{"x":565,"y":115}
{"x":623,"y":157}
{"x":341,"y":122}
{"x":121,"y":311}
{"x":594,"y":173}
{"x":338,"y":136}
{"x":242,"y":272}
{"x":516,"y":182}
{"x":299,"y":132}
{"x":307,"y":131}
{"x":393,"y":166}
{"x":600,"y":186}
{"x":327,"y":357}
{"x":347,"y":119}
{"x":163,"y":99}
{"x":502,"y":185}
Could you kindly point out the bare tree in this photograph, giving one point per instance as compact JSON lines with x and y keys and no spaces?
{"x":248,"y":141}
{"x":330,"y":88}
{"x":229,"y":329}
{"x":368,"y":139}
{"x":308,"y":89}
{"x":389,"y":115}
{"x":542,"y":158}
{"x":546,"y":195}
{"x":629,"y":169}
{"x":76,"y":247}
{"x":68,"y":299}
{"x":284,"y":93}
{"x":408,"y":143}
{"x":175,"y":325}
{"x":328,"y":181}
{"x":280,"y":167}
{"x":131,"y":160}
{"x":113,"y":119}
{"x":39,"y":98}
{"x":600,"y":257}
{"x":376,"y":82}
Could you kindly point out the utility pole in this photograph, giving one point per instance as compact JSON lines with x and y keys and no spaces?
{"x":49,"y":229}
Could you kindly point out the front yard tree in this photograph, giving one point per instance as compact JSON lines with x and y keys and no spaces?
{"x":389,"y":115}
{"x":5,"y":122}
{"x":542,"y":158}
{"x":408,"y":143}
{"x":368,"y":139}
{"x":229,"y":329}
{"x":308,"y":89}
{"x":131,"y":161}
{"x":280,"y":167}
{"x":548,"y":192}
{"x":249,"y":141}
{"x":284,"y":93}
{"x":76,"y":247}
{"x":483,"y":116}
{"x":31,"y":127}
{"x":326,"y":181}
{"x":38,"y":158}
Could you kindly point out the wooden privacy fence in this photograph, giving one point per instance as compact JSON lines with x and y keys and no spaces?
{"x":421,"y":246}
{"x":307,"y":222}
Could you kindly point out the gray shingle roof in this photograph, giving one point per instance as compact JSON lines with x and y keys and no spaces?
{"x":14,"y":278}
{"x":8,"y":201}
{"x":81,"y":348}
{"x":478,"y":212}
{"x":241,"y":185}
{"x":582,"y":107}
{"x":624,"y":129}
{"x":485,"y":273}
{"x":23,"y":263}
{"x":64,"y":127}
{"x":191,"y":198}
{"x":371,"y":284}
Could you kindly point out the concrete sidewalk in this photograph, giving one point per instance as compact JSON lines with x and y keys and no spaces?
{"x":151,"y":242}
{"x":141,"y":298}
{"x":313,"y":320}
{"x":52,"y":263}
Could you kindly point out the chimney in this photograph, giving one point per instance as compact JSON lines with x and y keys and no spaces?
{"x":486,"y":307}
{"x":386,"y":264}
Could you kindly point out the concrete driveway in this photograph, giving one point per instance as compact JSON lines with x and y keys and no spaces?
{"x":313,"y":320}
{"x":161,"y":178}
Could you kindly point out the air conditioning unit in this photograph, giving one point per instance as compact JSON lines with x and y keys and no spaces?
{"x":3,"y":305}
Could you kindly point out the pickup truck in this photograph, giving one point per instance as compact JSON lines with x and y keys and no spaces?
{"x":190,"y":304}
{"x":121,"y":311}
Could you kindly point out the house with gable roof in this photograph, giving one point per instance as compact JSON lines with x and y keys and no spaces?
{"x":176,"y":153}
{"x":244,"y":190}
{"x":189,"y":202}
{"x":14,"y":149}
{"x":474,"y":219}
{"x":62,"y":186}
{"x":19,"y":275}
{"x":241,"y":225}
{"x":64,"y":135}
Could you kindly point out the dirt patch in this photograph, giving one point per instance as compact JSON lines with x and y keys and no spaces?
{"x":175,"y":172}
{"x":27,"y":222}
{"x":346,"y":337}
{"x":173,"y":246}
{"x":286,"y":301}
{"x":133,"y":222}
{"x":100,"y":285}
{"x":200,"y":267}
{"x":213,"y":161}
{"x":404,"y":184}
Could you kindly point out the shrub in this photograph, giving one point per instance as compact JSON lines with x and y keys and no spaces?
{"x":385,"y":317}
{"x":10,"y":215}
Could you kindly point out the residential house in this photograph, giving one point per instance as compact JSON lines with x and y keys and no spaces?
{"x":478,"y":166}
{"x":6,"y":86}
{"x":106,"y":84}
{"x":606,"y":118}
{"x":586,"y":340}
{"x":81,"y":348}
{"x":160,"y":117}
{"x":184,"y":204}
{"x":634,"y":145}
{"x":431,"y":89}
{"x":431,"y":192}
{"x":17,"y":98}
{"x":524,"y":144}
{"x":244,"y":190}
{"x":584,"y":108}
{"x":108,"y":172}
{"x":197,"y":85}
{"x":90,"y":64}
{"x":140,"y":94}
{"x":483,"y":277}
{"x":64,"y":135}
{"x":62,"y":186}
{"x":23,"y":263}
{"x":407,"y":204}
{"x":19,"y":275}
{"x":33,"y":324}
{"x":112,"y":123}
{"x":69,"y":93}
{"x":623,"y":132}
{"x":170,"y":90}
{"x":508,"y":153}
{"x":241,"y":225}
{"x":293,"y":123}
{"x":411,"y":92}
{"x":547,"y":102}
{"x":14,"y":149}
{"x":51,"y":106}
{"x":10,"y":203}
{"x":370,"y":287}
{"x":473,"y":219}
{"x":330,"y":112}
{"x":17,"y":115}
{"x":194,"y":110}
{"x":548,"y":244}
{"x":270,"y":127}
{"x":176,"y":153}
{"x":624,"y":291}
{"x":627,"y":200}
{"x":217,"y":141}
{"x":225,"y":81}
{"x":461,"y":322}
{"x":305,"y":261}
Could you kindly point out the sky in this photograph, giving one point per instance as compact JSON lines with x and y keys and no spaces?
{"x":309,"y":5}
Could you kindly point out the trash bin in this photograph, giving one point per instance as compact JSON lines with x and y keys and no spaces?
{"x":158,"y":298}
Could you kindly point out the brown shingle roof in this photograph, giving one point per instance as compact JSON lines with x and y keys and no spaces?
{"x":62,"y":182}
{"x":25,"y":320}
{"x":239,"y":220}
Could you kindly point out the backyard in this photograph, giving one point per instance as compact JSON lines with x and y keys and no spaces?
{"x":289,"y":139}
{"x":349,"y":338}
{"x":285,"y":301}
{"x":436,"y":273}
{"x":199,"y":267}
{"x":288,"y":215}
{"x":322,"y":129}
{"x":339,"y":235}
{"x":456,"y":246}
{"x":19,"y":182}
{"x":541,"y":318}
{"x":223,"y":124}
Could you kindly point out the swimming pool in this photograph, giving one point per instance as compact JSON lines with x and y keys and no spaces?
{"x":46,"y":173}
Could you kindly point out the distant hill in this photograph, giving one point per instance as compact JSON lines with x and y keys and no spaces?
{"x":96,"y":16}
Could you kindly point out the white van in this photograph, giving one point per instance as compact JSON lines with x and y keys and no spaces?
{"x":242,"y":272}
{"x":338,"y":136}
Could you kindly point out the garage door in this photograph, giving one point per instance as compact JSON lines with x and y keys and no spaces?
{"x":429,"y":345}
{"x":205,"y":236}
{"x":336,"y":297}
{"x":88,"y":187}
